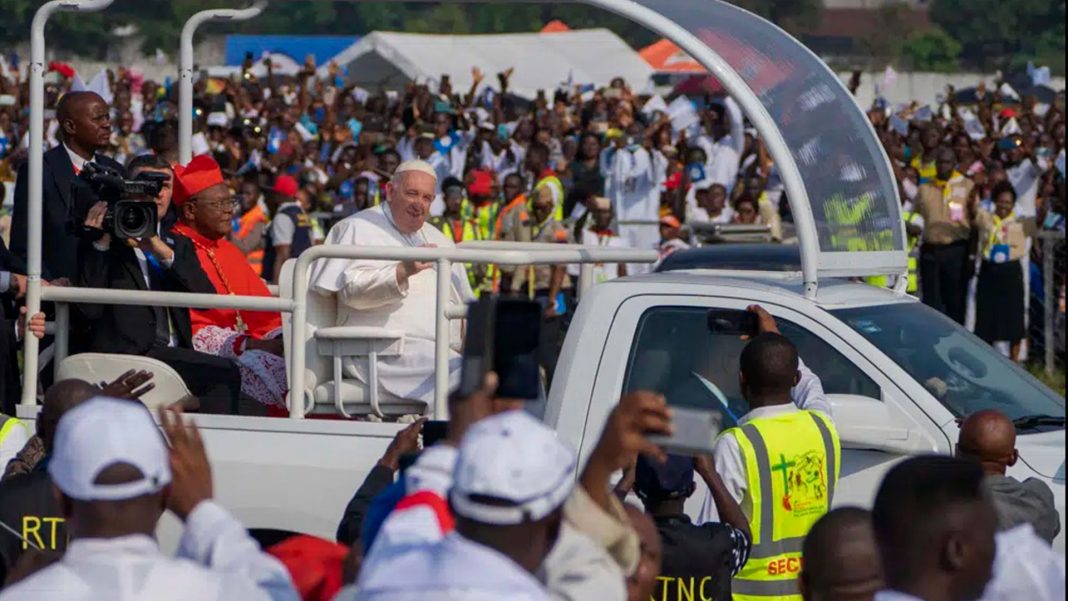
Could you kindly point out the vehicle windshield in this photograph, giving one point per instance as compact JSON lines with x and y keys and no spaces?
{"x":964,"y":373}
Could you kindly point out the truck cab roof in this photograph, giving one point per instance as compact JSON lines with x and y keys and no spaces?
{"x":833,"y":293}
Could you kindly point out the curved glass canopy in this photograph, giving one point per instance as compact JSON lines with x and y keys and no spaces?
{"x":838,"y":179}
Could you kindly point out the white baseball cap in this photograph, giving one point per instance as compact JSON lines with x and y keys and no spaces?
{"x":516,"y":460}
{"x":100,"y":433}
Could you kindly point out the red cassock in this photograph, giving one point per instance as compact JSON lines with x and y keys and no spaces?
{"x":230,"y":273}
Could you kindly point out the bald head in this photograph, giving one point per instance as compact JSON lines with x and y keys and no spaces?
{"x":768,"y":366}
{"x":85,"y":120}
{"x":61,"y":398}
{"x":990,"y":438}
{"x":73,"y":103}
{"x":841,"y":558}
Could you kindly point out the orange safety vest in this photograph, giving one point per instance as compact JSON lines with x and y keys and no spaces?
{"x":248,"y":221}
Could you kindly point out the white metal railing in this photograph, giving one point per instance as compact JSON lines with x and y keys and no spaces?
{"x":295,"y":299}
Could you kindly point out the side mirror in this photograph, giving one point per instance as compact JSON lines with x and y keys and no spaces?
{"x":866,"y":423}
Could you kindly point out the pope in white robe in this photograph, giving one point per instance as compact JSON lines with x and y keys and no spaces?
{"x":394,"y":294}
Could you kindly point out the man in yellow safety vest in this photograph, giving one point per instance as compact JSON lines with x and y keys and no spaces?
{"x":460,"y":228}
{"x":545,"y":179}
{"x":780,"y":462}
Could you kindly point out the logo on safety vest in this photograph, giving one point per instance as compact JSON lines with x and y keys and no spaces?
{"x":804,"y":483}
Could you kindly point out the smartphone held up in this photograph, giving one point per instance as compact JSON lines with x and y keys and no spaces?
{"x":503,"y":336}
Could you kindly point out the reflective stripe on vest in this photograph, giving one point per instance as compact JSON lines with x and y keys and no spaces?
{"x":783,"y":513}
{"x":7,"y":424}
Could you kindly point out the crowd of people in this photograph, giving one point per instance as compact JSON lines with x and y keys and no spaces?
{"x":302,"y":152}
{"x":494,"y":511}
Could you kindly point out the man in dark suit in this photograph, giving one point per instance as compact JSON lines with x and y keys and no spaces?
{"x":85,"y":126}
{"x":161,"y":263}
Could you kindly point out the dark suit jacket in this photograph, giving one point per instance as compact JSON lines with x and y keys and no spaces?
{"x":131,"y":329}
{"x":59,"y":220}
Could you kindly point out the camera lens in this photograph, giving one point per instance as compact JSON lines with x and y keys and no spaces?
{"x":132,"y":219}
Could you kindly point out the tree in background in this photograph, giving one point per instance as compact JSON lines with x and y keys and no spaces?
{"x":932,"y":50}
{"x":884,"y":45}
{"x":791,"y":15}
{"x":1003,"y":33}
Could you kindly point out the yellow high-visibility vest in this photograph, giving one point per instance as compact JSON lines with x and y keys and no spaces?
{"x":552,"y":182}
{"x":913,"y":261}
{"x":792,"y":462}
{"x":7,"y":424}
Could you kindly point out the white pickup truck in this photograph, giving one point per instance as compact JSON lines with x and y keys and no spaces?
{"x":898,"y":375}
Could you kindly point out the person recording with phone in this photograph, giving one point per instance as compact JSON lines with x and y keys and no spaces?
{"x":780,"y":462}
{"x":702,"y":557}
{"x":158,"y":262}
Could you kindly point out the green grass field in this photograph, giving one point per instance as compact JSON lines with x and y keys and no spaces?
{"x":1054,"y":381}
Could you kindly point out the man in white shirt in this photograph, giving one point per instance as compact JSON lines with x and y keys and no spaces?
{"x":1024,"y":172}
{"x":723,"y":148}
{"x":396,"y":294}
{"x":632,"y":185}
{"x":116,"y":476}
{"x":935,"y":527}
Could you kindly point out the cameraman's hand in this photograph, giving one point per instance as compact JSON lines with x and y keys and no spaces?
{"x":95,"y":218}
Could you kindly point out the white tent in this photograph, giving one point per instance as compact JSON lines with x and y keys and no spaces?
{"x":542,"y":61}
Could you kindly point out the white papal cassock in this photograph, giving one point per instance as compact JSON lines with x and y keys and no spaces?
{"x":368,"y":294}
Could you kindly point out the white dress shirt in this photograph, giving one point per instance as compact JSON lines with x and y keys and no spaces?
{"x":727,"y":455}
{"x":217,"y":559}
{"x":76,"y":160}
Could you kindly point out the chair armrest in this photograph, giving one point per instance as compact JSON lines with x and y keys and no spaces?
{"x":358,"y":333}
{"x":349,"y":341}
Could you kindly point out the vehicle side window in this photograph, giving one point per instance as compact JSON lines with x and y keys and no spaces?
{"x":675,"y":354}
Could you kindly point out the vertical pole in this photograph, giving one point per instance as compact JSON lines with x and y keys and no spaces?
{"x":185,"y":68}
{"x":298,"y":345}
{"x":441,"y":340}
{"x":62,"y":337}
{"x":1048,"y":295}
{"x":585,"y":278}
{"x":35,"y":173}
{"x":185,"y":90}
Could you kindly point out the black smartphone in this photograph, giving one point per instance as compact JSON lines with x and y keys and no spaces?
{"x":732,"y":322}
{"x":503,"y":335}
{"x":434,"y":431}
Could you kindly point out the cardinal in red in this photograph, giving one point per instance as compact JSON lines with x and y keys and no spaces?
{"x":206,"y":206}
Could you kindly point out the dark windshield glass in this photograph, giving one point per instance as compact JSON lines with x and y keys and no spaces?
{"x":961,"y":371}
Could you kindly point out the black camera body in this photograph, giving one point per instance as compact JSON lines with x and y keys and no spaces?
{"x":127,"y":216}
